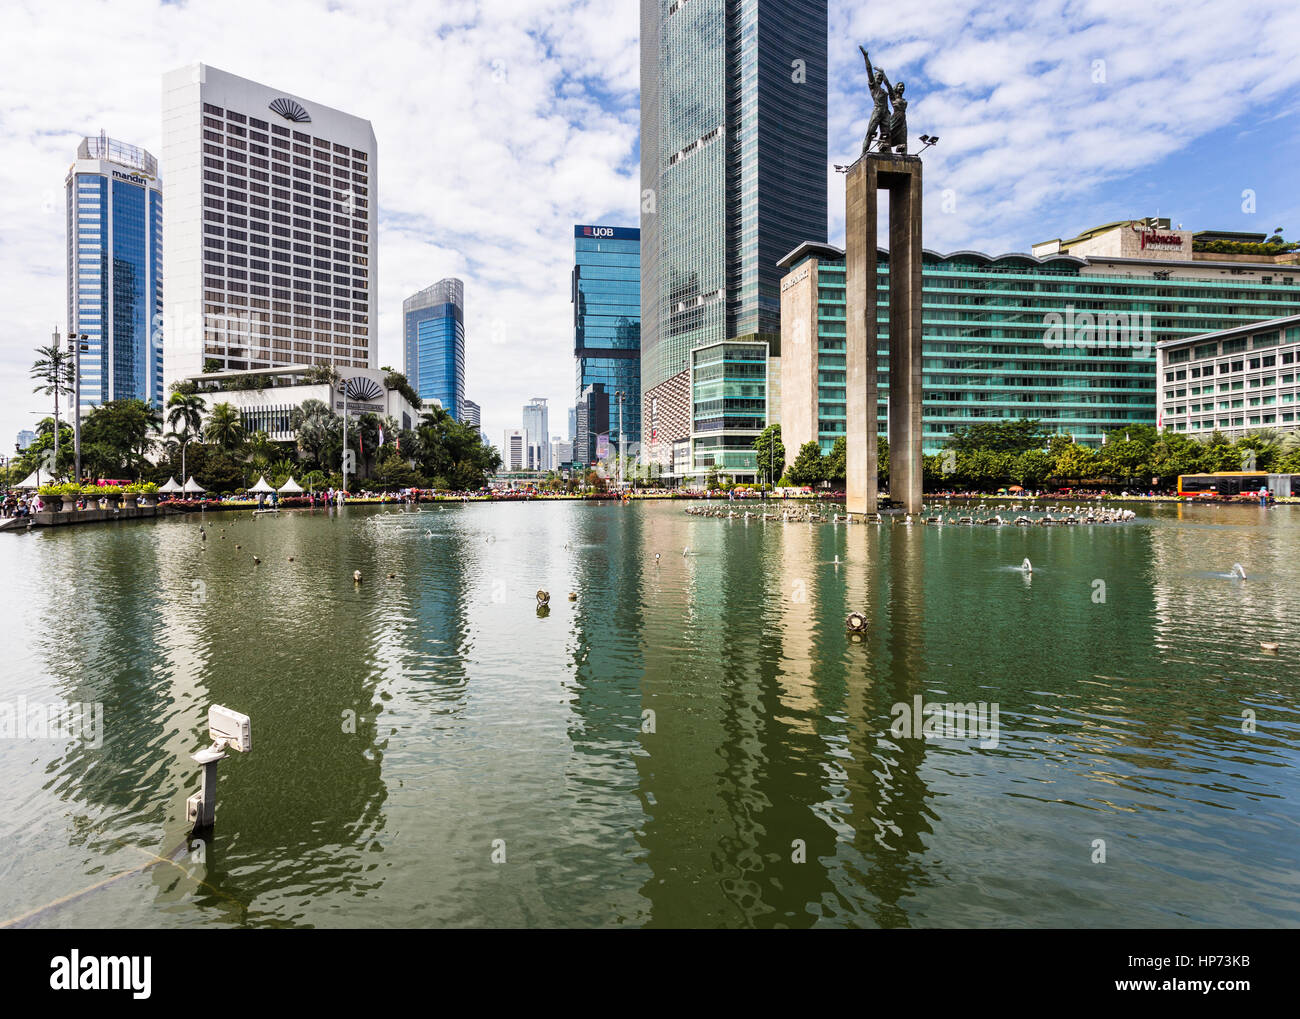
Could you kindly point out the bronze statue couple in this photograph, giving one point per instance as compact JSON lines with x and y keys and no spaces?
{"x":888,"y":125}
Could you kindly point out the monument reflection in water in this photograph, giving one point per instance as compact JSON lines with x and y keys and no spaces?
{"x":695,"y":741}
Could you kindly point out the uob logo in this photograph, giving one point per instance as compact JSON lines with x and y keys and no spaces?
{"x":601,"y":231}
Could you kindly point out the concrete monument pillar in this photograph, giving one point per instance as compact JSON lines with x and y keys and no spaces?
{"x":900,"y":175}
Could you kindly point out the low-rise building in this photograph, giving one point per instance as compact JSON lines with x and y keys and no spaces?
{"x":267,"y":397}
{"x":1232,"y":381}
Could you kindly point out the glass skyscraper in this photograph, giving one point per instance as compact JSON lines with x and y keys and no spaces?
{"x":115,"y":279}
{"x":607,"y":320}
{"x":733,"y":176}
{"x":434,"y":348}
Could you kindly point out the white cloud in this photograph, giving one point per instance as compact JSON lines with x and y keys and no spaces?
{"x":502,"y":123}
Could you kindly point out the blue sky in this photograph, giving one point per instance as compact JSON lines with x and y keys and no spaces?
{"x":501,"y":123}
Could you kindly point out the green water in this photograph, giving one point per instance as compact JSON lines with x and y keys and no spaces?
{"x":483,"y":728}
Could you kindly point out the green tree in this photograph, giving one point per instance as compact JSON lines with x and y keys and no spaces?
{"x":1076,"y":463}
{"x":771,"y":452}
{"x":1032,"y":467}
{"x":185,"y":414}
{"x":318,"y":429}
{"x":116,"y":437}
{"x":396,"y":380}
{"x":54,"y":372}
{"x":224,"y":428}
{"x":837,"y":462}
{"x":808,"y":467}
{"x":1014,"y":436}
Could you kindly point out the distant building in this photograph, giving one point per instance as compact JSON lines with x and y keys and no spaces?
{"x":115,"y":278}
{"x":537,"y":425}
{"x":1233,"y":381}
{"x":433,"y":321}
{"x":272,"y":219}
{"x":561,"y":452}
{"x":606,"y":295}
{"x":573,"y":423}
{"x":25,"y":438}
{"x":592,"y":424}
{"x":473,"y":415}
{"x":514,"y":451}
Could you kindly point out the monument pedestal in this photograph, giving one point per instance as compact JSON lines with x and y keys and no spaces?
{"x":900,"y":175}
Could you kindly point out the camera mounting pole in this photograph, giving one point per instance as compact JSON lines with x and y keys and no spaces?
{"x":228,"y":730}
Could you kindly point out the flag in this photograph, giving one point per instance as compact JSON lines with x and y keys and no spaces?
{"x":381,"y":438}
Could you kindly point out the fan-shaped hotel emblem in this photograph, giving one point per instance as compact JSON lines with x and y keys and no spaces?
{"x":363,"y":390}
{"x":290,"y":110}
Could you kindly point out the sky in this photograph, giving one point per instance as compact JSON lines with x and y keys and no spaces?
{"x":503,"y":123}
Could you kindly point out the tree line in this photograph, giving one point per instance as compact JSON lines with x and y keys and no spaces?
{"x":132,"y":440}
{"x":1022,"y":451}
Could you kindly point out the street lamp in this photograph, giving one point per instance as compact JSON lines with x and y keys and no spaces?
{"x":618,"y":395}
{"x":76,"y":344}
{"x":343,"y":391}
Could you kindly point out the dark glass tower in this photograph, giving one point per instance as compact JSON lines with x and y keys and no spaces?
{"x":733,"y":176}
{"x":434,"y":348}
{"x":607,"y":319}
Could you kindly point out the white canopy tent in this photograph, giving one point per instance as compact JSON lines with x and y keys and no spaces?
{"x":290,"y":487}
{"x":171,"y":486}
{"x":261,"y":487}
{"x":36,"y":479}
{"x":193,"y":487}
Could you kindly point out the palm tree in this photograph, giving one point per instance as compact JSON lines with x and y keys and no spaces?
{"x":186,"y":410}
{"x":54,"y":372}
{"x":224,"y":427}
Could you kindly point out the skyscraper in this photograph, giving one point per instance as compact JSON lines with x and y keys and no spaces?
{"x":514,"y":451}
{"x":272,"y":218}
{"x":473,"y":415}
{"x":434,"y":324}
{"x":115,"y":278}
{"x":607,"y":317}
{"x":733,"y":176}
{"x":537,"y":426}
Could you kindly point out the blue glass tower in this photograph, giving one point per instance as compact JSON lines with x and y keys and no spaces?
{"x":114,"y":221}
{"x":434,"y":349}
{"x":607,"y":321}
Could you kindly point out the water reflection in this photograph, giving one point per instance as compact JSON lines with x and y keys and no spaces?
{"x":694,"y":741}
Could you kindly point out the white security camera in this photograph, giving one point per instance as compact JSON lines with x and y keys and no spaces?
{"x":230,"y":728}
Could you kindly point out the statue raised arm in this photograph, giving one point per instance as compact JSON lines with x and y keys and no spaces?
{"x":879,"y":85}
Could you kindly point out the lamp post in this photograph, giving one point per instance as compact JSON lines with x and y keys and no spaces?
{"x":76,"y":344}
{"x":343,"y":391}
{"x":619,"y":396}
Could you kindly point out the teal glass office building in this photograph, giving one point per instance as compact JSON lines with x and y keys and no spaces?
{"x":990,"y":352}
{"x":115,"y":278}
{"x":606,"y":295}
{"x":434,"y":344}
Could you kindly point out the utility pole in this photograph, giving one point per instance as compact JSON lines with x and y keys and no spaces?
{"x":76,"y":343}
{"x":58,"y":383}
{"x":343,"y":389}
{"x":619,"y":395}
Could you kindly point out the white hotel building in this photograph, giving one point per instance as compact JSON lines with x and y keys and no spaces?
{"x":272,"y":221}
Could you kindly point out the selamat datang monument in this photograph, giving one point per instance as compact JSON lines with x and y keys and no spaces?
{"x":887,"y":166}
